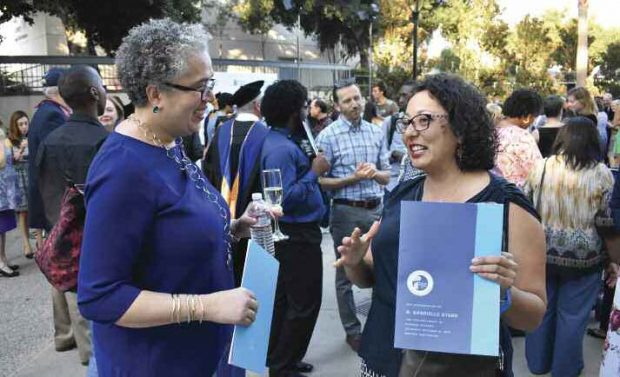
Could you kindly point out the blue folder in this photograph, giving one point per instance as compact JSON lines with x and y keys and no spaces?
{"x":441,"y":305}
{"x":249,"y":344}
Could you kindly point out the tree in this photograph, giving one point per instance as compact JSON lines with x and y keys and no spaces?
{"x":465,"y":24}
{"x":611,"y":58}
{"x":609,"y":78}
{"x":331,"y":22}
{"x":392,"y":50}
{"x":104,"y":23}
{"x":530,"y":48}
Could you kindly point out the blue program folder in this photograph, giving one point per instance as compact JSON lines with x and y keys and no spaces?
{"x":249,"y":344}
{"x":441,"y":305}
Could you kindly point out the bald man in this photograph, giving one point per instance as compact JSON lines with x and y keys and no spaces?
{"x":63,"y":159}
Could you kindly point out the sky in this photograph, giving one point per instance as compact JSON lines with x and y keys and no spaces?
{"x":605,"y":12}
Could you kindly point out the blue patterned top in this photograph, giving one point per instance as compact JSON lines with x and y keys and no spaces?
{"x":346,"y":146}
{"x":9,"y":193}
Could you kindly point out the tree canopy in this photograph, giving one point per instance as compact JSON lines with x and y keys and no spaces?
{"x":104,"y":23}
{"x":537,"y":51}
{"x":332,"y":22}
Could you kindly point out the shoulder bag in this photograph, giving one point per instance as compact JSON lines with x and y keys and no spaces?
{"x":59,"y":256}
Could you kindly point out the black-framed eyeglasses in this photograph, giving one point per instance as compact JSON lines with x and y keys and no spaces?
{"x":204,"y":90}
{"x":420,"y":122}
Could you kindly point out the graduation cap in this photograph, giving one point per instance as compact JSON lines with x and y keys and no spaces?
{"x":52,"y":76}
{"x":247,"y":93}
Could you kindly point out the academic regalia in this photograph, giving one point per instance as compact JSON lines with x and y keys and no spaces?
{"x":232,"y":165}
{"x":232,"y":162}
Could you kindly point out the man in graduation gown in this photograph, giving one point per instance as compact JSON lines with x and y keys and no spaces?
{"x":232,"y":162}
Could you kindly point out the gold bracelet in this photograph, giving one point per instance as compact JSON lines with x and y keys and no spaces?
{"x":173,"y":308}
{"x":189,"y":319}
{"x":194,"y":308}
{"x":179,"y":308}
{"x":202,"y":309}
{"x":191,"y":306}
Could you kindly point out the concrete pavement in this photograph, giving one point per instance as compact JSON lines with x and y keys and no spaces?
{"x":26,"y":346}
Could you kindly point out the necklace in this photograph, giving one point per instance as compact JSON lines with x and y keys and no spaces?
{"x":193,"y":173}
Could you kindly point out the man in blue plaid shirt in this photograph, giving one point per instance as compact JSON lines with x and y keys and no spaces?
{"x":359,"y":159}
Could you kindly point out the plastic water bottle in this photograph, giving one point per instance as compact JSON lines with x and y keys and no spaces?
{"x":261,"y":232}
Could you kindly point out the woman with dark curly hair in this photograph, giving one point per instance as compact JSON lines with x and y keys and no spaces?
{"x":450,"y":137}
{"x":518,"y":150}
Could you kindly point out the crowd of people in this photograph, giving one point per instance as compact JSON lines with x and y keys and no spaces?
{"x":164,"y":240}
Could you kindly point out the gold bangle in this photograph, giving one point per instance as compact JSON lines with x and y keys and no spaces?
{"x":189,"y":318}
{"x":191,"y":306}
{"x":173,"y":307}
{"x":194,"y":307}
{"x":178,"y":319}
{"x":202,"y":309}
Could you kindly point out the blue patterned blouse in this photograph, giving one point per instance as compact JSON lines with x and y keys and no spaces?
{"x":9,"y":194}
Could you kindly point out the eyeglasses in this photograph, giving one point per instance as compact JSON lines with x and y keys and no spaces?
{"x":204,"y":91}
{"x":420,"y":122}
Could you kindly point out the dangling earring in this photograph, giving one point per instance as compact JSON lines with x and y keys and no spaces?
{"x":155,"y":109}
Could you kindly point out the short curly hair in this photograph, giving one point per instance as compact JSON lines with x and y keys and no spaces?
{"x":468,"y":118}
{"x":281,"y":100}
{"x":155,"y":52}
{"x":523,"y":102}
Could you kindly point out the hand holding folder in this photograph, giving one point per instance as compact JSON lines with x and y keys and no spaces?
{"x":250,"y":344}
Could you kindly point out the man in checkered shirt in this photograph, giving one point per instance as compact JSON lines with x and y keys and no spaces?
{"x":359,"y":159}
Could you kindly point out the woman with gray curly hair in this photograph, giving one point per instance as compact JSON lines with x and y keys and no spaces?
{"x":155,"y":271}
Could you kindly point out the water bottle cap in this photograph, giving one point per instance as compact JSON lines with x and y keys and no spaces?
{"x":257,"y":196}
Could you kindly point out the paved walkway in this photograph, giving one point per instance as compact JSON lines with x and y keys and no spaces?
{"x":26,"y":347}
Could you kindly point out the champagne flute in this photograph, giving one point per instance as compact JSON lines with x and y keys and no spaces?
{"x":272,"y":190}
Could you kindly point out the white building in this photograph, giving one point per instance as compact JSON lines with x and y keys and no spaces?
{"x":46,"y":36}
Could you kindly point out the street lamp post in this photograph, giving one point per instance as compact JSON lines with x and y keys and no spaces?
{"x":298,"y":52}
{"x":370,"y":60}
{"x":372,"y":16}
{"x":415,"y":18}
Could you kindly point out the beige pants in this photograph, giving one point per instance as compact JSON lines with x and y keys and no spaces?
{"x":70,"y":328}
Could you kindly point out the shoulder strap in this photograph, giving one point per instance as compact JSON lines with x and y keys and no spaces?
{"x":505,"y":231}
{"x":540,"y":188}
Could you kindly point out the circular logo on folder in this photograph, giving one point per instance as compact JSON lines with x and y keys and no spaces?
{"x":420,"y":283}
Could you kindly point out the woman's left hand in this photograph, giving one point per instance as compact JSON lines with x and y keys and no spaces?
{"x":500,"y":269}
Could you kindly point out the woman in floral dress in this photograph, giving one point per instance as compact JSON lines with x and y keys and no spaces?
{"x":18,"y":142}
{"x":8,"y":202}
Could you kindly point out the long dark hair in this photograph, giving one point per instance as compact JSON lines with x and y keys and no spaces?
{"x":370,"y":112}
{"x":578,"y":142}
{"x":14,"y":135}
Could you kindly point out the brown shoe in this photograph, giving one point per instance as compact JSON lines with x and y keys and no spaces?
{"x":354,"y":342}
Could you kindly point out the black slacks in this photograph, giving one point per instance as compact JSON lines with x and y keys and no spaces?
{"x":239,"y":250}
{"x":298,"y":297}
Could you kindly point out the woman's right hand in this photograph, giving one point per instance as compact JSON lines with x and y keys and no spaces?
{"x":233,"y":307}
{"x":354,"y":248}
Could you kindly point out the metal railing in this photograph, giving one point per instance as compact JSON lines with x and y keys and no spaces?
{"x":22,"y":75}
